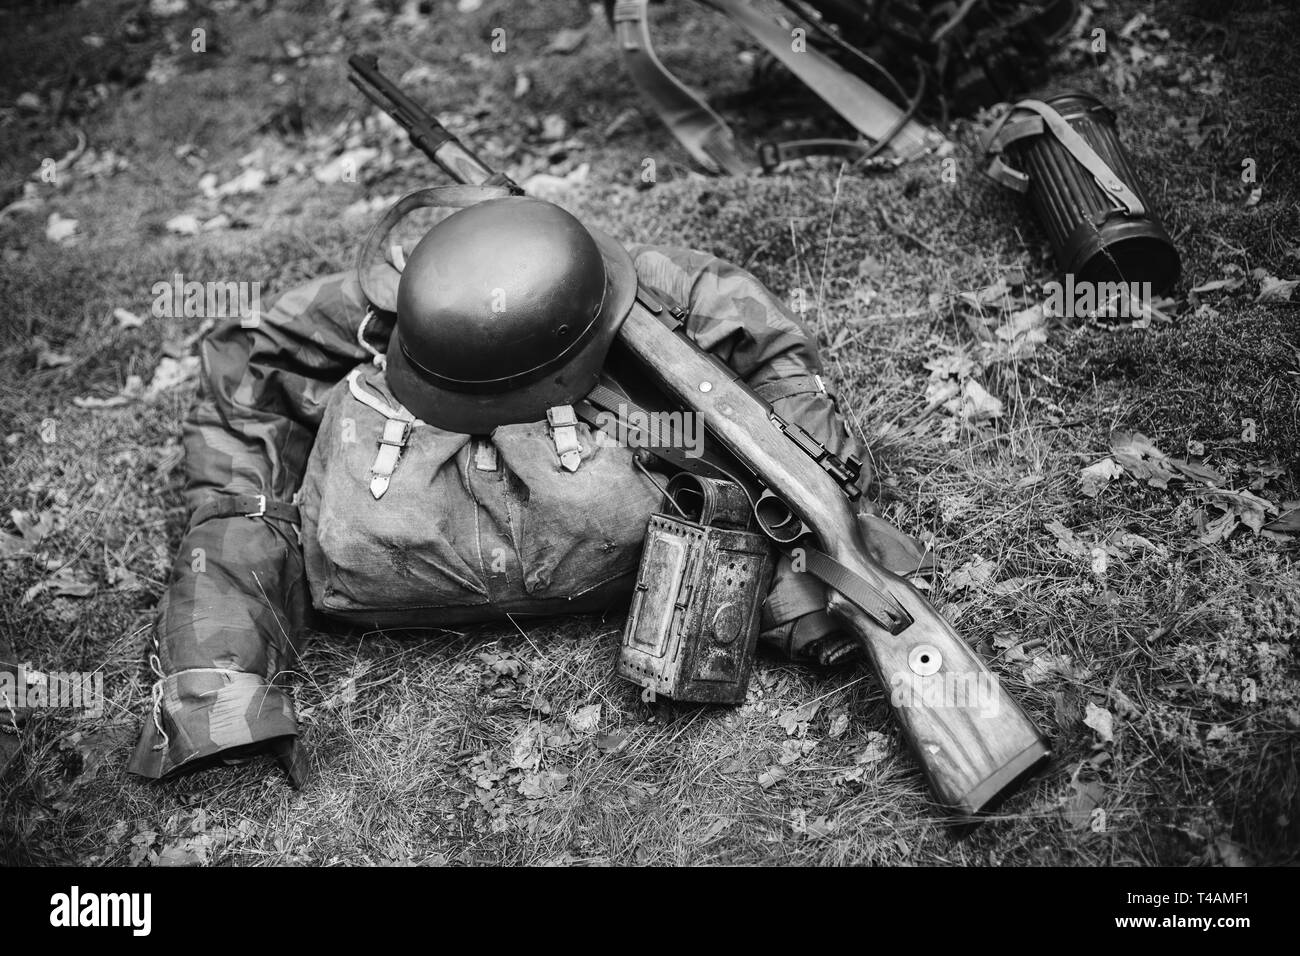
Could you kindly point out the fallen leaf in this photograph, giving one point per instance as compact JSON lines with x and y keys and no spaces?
{"x":771,"y":777}
{"x":715,"y":828}
{"x":187,"y":851}
{"x":795,"y":749}
{"x":249,"y":181}
{"x":60,"y":230}
{"x":1273,"y":289}
{"x":1232,"y":854}
{"x":1288,"y":522}
{"x":186,"y":224}
{"x":547,"y":783}
{"x":610,"y":743}
{"x":1136,"y":453}
{"x":1046,"y":666}
{"x":1196,"y":470}
{"x":546,"y":185}
{"x":584,"y":720}
{"x":973,"y":574}
{"x":1215,"y":285}
{"x":976,"y":404}
{"x":526,"y":749}
{"x":11,"y":546}
{"x":82,"y":401}
{"x":567,"y":40}
{"x":172,"y":372}
{"x":1214,"y":530}
{"x":35,"y":530}
{"x":1067,"y":541}
{"x":850,"y":775}
{"x":1022,"y":333}
{"x":839,"y":724}
{"x":877,"y":748}
{"x":1094,"y":479}
{"x":955,"y":364}
{"x":48,"y":358}
{"x":554,"y":127}
{"x":66,"y":582}
{"x":820,"y":828}
{"x":796,"y":721}
{"x":1087,"y":797}
{"x":1101,"y":720}
{"x":994,"y":294}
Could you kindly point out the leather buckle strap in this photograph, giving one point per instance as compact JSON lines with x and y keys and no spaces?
{"x":563,"y":422}
{"x":245,"y":506}
{"x":395,"y":435}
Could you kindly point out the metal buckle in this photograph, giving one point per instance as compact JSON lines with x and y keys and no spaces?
{"x":261,"y":507}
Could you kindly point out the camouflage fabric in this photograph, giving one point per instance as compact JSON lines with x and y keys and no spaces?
{"x":230,"y":626}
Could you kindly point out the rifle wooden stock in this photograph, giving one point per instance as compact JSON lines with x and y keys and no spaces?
{"x":972,"y":750}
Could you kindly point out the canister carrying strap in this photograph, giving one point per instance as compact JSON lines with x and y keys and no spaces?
{"x":1003,"y":133}
{"x":450,"y":197}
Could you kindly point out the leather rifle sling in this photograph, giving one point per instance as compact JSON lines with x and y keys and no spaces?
{"x":703,"y":132}
{"x":867,"y":110}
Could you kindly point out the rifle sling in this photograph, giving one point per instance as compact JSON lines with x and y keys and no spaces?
{"x":708,"y":138}
{"x":878,"y":605}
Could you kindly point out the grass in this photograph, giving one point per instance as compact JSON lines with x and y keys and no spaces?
{"x":457,"y":747}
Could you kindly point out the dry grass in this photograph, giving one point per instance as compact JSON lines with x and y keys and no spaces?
{"x":456,"y":747}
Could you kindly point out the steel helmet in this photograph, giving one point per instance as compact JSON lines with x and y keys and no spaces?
{"x":505,"y":309}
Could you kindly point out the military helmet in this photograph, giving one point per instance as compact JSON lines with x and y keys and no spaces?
{"x":505,"y":309}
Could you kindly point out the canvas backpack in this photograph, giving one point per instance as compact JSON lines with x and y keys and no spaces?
{"x":405,"y":524}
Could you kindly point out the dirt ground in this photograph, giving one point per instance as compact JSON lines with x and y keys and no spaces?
{"x":1145,"y":612}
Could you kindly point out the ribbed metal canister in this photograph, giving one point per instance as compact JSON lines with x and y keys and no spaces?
{"x":1092,"y":238}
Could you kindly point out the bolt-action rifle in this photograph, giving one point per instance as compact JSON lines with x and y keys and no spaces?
{"x":971,"y":738}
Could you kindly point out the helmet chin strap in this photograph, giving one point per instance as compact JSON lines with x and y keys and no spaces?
{"x":447,"y":197}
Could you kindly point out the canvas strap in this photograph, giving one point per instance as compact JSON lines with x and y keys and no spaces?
{"x":1007,"y":131}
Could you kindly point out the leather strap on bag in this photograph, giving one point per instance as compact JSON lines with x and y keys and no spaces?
{"x":247,"y":506}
